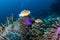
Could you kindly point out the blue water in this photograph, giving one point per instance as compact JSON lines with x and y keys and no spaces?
{"x":37,"y":7}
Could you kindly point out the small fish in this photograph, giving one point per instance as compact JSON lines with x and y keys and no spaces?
{"x":24,"y":13}
{"x":38,"y":21}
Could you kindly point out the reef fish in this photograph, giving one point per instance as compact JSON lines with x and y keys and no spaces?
{"x":38,"y":21}
{"x":24,"y":13}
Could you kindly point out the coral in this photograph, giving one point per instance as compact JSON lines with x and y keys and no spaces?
{"x":27,"y":28}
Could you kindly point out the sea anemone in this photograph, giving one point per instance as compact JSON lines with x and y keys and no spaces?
{"x":24,"y":13}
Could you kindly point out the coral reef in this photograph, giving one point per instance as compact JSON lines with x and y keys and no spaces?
{"x":28,"y":28}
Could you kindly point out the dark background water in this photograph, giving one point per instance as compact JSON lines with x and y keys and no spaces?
{"x":38,"y":8}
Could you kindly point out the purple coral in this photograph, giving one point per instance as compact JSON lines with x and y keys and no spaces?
{"x":28,"y":21}
{"x":58,"y":30}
